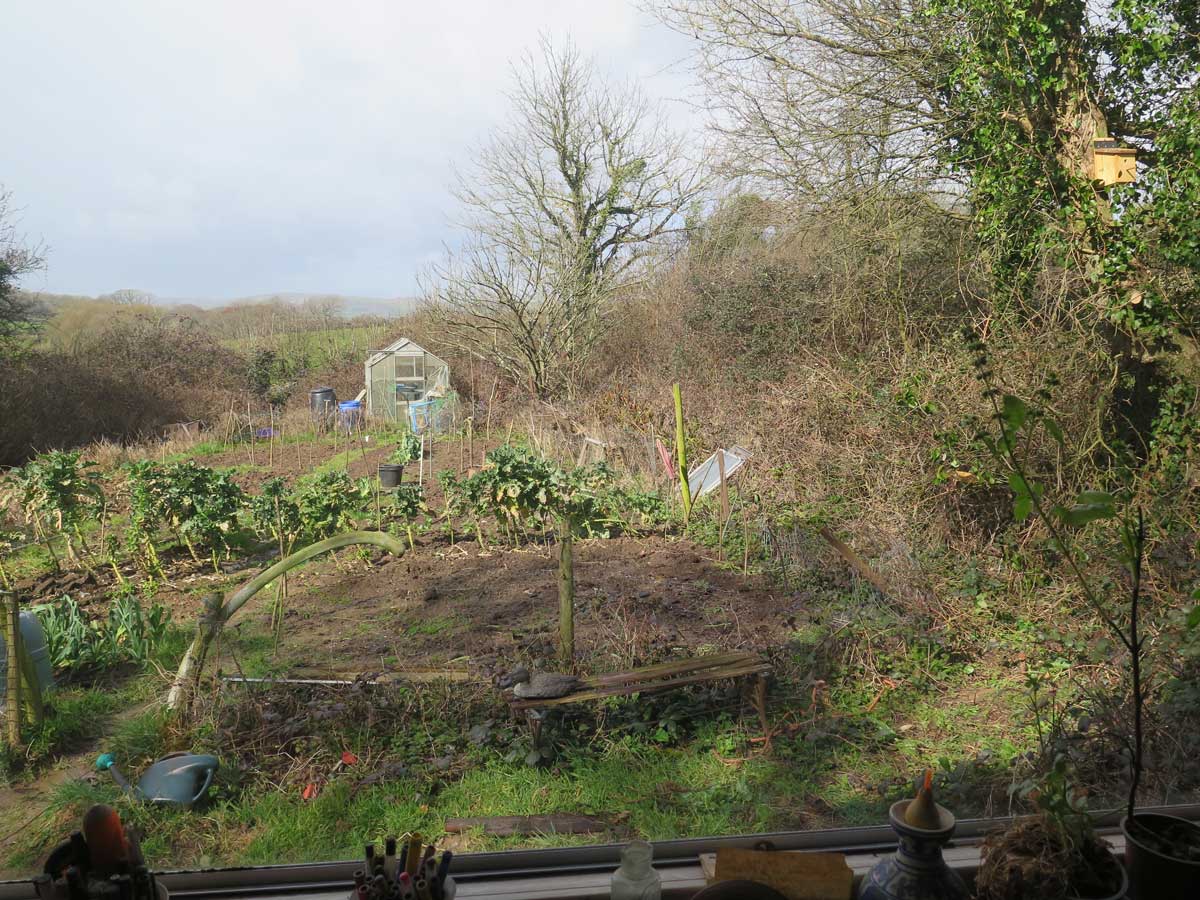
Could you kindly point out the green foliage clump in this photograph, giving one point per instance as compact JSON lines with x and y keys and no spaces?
{"x":328,"y":502}
{"x":57,"y":492}
{"x":275,"y":513}
{"x":519,"y":488}
{"x":408,"y":449}
{"x":198,"y":504}
{"x":76,"y":643}
{"x":408,"y":502}
{"x":319,"y":506}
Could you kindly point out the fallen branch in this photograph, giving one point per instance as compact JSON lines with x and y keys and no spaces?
{"x":216,"y":613}
{"x":856,"y":562}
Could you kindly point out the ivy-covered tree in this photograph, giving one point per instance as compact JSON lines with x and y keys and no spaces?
{"x":17,"y":312}
{"x":991,"y":110}
{"x":995,"y":101}
{"x":561,"y":207}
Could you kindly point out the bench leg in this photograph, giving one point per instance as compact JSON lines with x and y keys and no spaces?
{"x":760,"y":704}
{"x":535,"y":717}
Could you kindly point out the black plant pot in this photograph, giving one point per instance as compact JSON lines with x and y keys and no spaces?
{"x":1154,"y":872}
{"x":390,"y":475}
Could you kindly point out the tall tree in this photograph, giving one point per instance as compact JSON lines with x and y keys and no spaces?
{"x":560,"y":210}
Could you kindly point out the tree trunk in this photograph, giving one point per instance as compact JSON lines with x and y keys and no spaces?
{"x":215,"y":615}
{"x":566,"y":591}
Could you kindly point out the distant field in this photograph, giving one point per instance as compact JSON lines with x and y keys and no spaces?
{"x":308,"y":350}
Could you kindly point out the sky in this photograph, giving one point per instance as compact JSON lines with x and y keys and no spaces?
{"x":231,"y":148}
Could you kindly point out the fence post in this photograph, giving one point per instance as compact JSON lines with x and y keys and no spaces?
{"x":566,"y":591}
{"x":12,"y":642}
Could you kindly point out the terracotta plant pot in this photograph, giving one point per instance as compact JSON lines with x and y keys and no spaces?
{"x":390,"y":475}
{"x":1154,"y":873}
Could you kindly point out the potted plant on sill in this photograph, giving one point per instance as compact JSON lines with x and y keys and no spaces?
{"x":1054,"y":855}
{"x":1162,"y":853}
{"x":391,"y":473}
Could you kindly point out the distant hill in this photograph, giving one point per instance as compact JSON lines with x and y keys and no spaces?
{"x":351,"y":306}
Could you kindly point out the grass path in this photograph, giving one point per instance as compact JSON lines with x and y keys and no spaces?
{"x":26,"y":802}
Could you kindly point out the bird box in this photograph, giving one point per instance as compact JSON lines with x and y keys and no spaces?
{"x":1114,"y":164}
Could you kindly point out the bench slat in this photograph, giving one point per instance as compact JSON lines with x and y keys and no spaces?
{"x":755,"y":667}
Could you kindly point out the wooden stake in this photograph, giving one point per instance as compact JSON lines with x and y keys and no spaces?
{"x":491,"y":401}
{"x":471,"y":440}
{"x":250,"y":425}
{"x":566,"y":592}
{"x":681,"y":454}
{"x":856,"y":562}
{"x":745,"y":543}
{"x":724,"y":489}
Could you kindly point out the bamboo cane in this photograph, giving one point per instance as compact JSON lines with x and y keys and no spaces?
{"x":681,"y":454}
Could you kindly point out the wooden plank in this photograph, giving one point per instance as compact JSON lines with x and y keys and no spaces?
{"x":681,"y":667}
{"x":650,"y":688}
{"x":507,"y":826}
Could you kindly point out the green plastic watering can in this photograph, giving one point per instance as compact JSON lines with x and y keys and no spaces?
{"x":179,"y":779}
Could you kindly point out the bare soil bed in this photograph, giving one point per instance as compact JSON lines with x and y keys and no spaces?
{"x":638,"y":598}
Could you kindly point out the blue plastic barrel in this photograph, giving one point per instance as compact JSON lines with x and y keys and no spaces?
{"x":34,"y":637}
{"x":350,"y":414}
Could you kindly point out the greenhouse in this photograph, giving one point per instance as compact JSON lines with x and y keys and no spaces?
{"x":402,"y":379}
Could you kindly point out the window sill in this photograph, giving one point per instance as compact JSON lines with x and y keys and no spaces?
{"x":579,"y":873}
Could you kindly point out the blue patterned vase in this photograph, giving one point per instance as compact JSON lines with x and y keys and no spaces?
{"x":917,"y":870}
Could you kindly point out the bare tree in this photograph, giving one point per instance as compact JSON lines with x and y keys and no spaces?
{"x":17,"y":258}
{"x":130,"y":297}
{"x":821,"y":95}
{"x":561,"y":209}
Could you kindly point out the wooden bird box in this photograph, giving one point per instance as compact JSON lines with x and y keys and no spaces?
{"x":1114,"y":164}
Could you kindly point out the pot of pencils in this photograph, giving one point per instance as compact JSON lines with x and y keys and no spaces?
{"x":404,"y":871}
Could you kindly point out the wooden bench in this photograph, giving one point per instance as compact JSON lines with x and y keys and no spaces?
{"x":655,"y":679}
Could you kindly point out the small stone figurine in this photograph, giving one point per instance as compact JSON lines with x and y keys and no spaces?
{"x":635,"y":880}
{"x":917,"y":871}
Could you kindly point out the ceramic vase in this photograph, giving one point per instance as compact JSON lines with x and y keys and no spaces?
{"x":917,"y":870}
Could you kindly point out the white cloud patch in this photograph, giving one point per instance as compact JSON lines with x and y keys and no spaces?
{"x":229,"y":148}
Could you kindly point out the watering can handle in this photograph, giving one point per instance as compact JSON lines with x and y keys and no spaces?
{"x":208,"y":777}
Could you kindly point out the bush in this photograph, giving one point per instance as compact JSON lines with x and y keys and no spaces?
{"x":120,"y":382}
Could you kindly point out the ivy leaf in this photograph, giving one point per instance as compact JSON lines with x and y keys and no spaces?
{"x":1015,"y":412}
{"x":1022,"y":506}
{"x":1054,"y":431}
{"x":1089,"y":506}
{"x":1193,"y":618}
